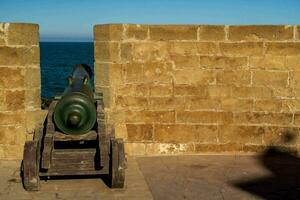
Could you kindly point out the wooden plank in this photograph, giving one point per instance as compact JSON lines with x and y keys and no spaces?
{"x":91,"y":135}
{"x":69,"y":154}
{"x":65,"y":172}
{"x":31,"y":179}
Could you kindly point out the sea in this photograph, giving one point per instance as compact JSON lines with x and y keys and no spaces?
{"x":57,"y":61}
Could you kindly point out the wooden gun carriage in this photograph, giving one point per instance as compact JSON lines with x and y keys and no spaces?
{"x":54,"y":153}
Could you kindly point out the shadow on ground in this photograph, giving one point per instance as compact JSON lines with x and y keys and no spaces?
{"x":284,"y":181}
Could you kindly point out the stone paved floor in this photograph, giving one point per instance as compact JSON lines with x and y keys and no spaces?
{"x":175,"y":177}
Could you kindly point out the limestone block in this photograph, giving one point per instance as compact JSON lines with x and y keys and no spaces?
{"x":138,"y":89}
{"x":199,"y":103}
{"x":228,"y":147}
{"x":283,"y":48}
{"x":15,"y":100}
{"x":268,"y":62}
{"x":193,"y":48}
{"x":107,"y":51}
{"x":139,"y":132}
{"x":182,"y":133}
{"x":259,"y":33}
{"x":241,"y":134}
{"x":236,"y":77}
{"x":150,"y":116}
{"x":273,"y":105}
{"x":241,"y":48}
{"x":109,"y":74}
{"x":270,"y":78}
{"x":252,"y":92}
{"x":132,"y":103}
{"x":11,"y":77}
{"x":195,"y":76}
{"x":108,"y":32}
{"x":34,"y":119}
{"x":263,"y":118}
{"x":293,"y":62}
{"x":161,"y":90}
{"x":171,"y":148}
{"x":2,"y":34}
{"x":126,"y":51}
{"x":166,"y":103}
{"x":223,"y":62}
{"x":211,"y":33}
{"x":135,"y":148}
{"x":136,"y":31}
{"x":236,"y":105}
{"x":280,"y":136}
{"x":149,"y":51}
{"x":12,"y":118}
{"x":23,"y":34}
{"x":190,"y":90}
{"x":12,"y":135}
{"x":32,"y":99}
{"x":32,"y":77}
{"x":12,"y":151}
{"x":218,"y":91}
{"x":185,"y":62}
{"x":19,"y":55}
{"x":173,"y":32}
{"x":207,"y":117}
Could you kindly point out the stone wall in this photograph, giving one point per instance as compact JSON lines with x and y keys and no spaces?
{"x":200,"y":88}
{"x":19,"y":86}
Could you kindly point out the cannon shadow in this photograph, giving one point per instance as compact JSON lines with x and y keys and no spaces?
{"x":284,"y":181}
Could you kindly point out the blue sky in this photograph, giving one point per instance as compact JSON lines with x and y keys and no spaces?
{"x":62,"y":20}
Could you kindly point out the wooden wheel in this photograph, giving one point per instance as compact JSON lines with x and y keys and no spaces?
{"x":117,"y":163}
{"x":30,"y":166}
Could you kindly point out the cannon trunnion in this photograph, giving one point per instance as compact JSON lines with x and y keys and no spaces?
{"x":59,"y":149}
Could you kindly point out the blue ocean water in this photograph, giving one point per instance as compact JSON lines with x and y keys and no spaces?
{"x":57,"y":61}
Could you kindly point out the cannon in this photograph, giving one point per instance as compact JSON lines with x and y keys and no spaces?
{"x":74,"y":139}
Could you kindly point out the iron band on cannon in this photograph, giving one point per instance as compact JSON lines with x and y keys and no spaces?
{"x":74,"y":140}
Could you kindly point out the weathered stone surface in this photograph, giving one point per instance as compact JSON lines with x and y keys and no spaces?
{"x":133,"y":89}
{"x":258,"y":33}
{"x":166,"y":103}
{"x":185,"y":62}
{"x":195,"y":77}
{"x":222,"y":62}
{"x":2,"y":34}
{"x":270,"y":79}
{"x":12,"y":135}
{"x":139,"y":132}
{"x":268,"y":105}
{"x":293,"y":62}
{"x":33,"y":99}
{"x":189,"y":90}
{"x":173,"y":32}
{"x":268,"y":62}
{"x":283,"y":48}
{"x":12,"y":118}
{"x":19,"y":55}
{"x":199,"y":103}
{"x":32,"y":77}
{"x":180,"y":133}
{"x":133,"y":103}
{"x":12,"y":77}
{"x":34,"y":119}
{"x":211,"y":33}
{"x":161,"y":90}
{"x":241,"y":134}
{"x":23,"y":34}
{"x":263,"y":118}
{"x":150,"y":116}
{"x":148,"y":51}
{"x":242,"y":48}
{"x":252,"y":92}
{"x":208,"y":117}
{"x":218,"y":91}
{"x":135,"y":148}
{"x":192,"y":48}
{"x":108,"y":32}
{"x":136,"y":31}
{"x":236,"y":77}
{"x":109,"y":74}
{"x":107,"y":51}
{"x":236,"y":105}
{"x":15,"y":100}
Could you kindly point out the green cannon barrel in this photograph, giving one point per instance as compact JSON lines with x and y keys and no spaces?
{"x":75,"y":113}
